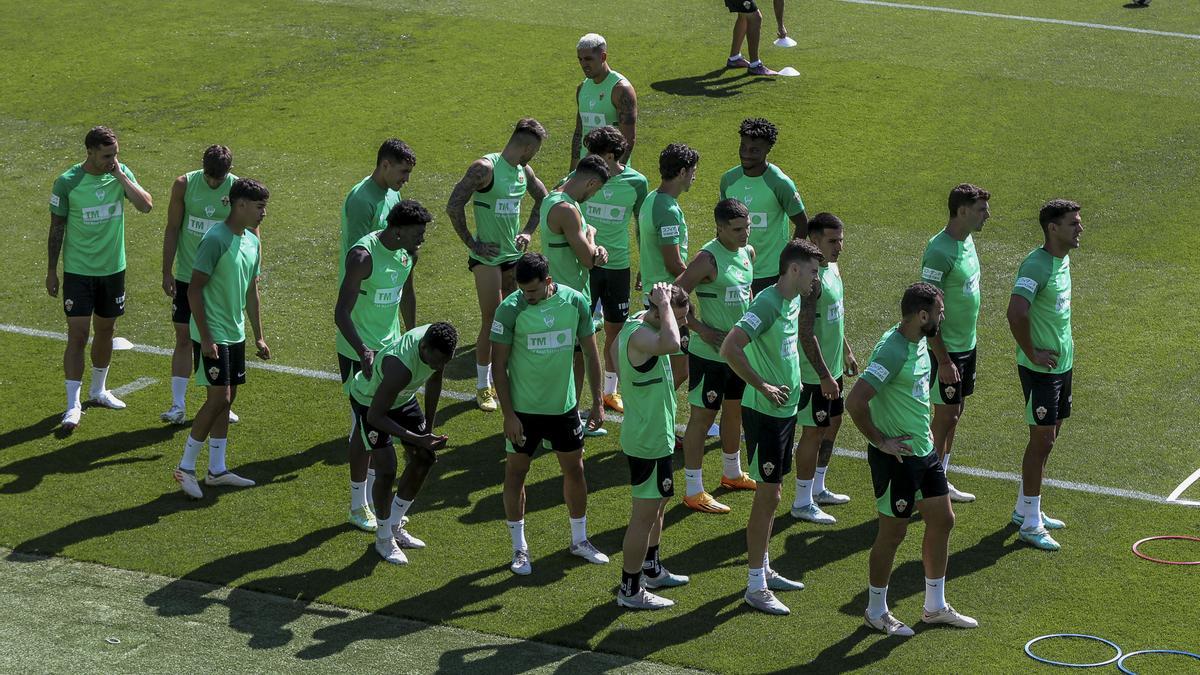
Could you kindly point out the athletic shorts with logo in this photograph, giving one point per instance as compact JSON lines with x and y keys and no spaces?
{"x":1047,"y":396}
{"x":814,"y":410}
{"x":769,"y":443}
{"x":651,"y":478}
{"x":758,"y":285}
{"x":408,"y":416}
{"x":228,"y":369}
{"x":953,"y":394}
{"x":742,"y":7}
{"x":611,"y":289}
{"x":710,"y":383}
{"x":504,"y":266}
{"x":564,"y":432}
{"x":900,"y":485}
{"x":85,"y":295}
{"x":181,"y":308}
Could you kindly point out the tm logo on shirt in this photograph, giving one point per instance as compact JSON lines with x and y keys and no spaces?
{"x":758,"y":221}
{"x":200,"y":225}
{"x":388,"y":296}
{"x":736,"y":295}
{"x":550,"y":341}
{"x":508,"y":207}
{"x":605,"y":212}
{"x":591,"y":119}
{"x":93,"y":215}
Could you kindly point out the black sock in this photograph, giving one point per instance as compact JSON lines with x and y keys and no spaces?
{"x":651,"y":566}
{"x":631,"y":583}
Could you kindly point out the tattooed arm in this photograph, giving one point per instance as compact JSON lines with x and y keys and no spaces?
{"x":624,"y":99}
{"x":478,"y":176}
{"x":577,"y":137}
{"x":58,"y":228}
{"x":538,"y":191}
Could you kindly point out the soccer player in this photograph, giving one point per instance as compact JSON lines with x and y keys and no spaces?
{"x":826,"y":355}
{"x":951,"y":264}
{"x":494,"y":185}
{"x":747,"y":26}
{"x":761,"y":349}
{"x":199,"y":200}
{"x":890,"y":406}
{"x":223,"y":290}
{"x":663,"y":231}
{"x":648,"y":440}
{"x":610,"y":211}
{"x":383,"y":401}
{"x":720,"y":275}
{"x":87,"y":225}
{"x":603,"y":98}
{"x":769,"y":194}
{"x":533,"y":337}
{"x":377,"y":267}
{"x":1039,"y":316}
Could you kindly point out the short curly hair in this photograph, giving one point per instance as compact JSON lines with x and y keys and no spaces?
{"x":396,"y":150}
{"x":1055,"y":209}
{"x":759,"y":127}
{"x":920,"y":296}
{"x":730,"y":209}
{"x":248,"y":189}
{"x":532,"y":266}
{"x":965,"y":194}
{"x":408,"y":212}
{"x":442,"y":337}
{"x":217,"y":161}
{"x":98,"y":137}
{"x":606,"y":140}
{"x":675,"y":159}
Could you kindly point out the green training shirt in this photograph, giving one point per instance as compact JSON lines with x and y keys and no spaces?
{"x":542,"y":336}
{"x":498,"y":210}
{"x":407,"y":348}
{"x":365,"y":210}
{"x":610,"y":211}
{"x":660,"y":223}
{"x":649,"y":428}
{"x":376,"y":314}
{"x":203,"y":207}
{"x":953,"y":266}
{"x":725,"y":299}
{"x":1045,"y":281}
{"x":596,"y":108}
{"x":94,"y":206}
{"x":771,"y":322}
{"x":829,"y":327}
{"x":565,"y":267}
{"x":899,"y":374}
{"x":231,"y":263}
{"x":771,"y":198}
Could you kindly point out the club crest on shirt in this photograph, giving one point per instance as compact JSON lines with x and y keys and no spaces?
{"x":768,"y":468}
{"x":608,"y":194}
{"x":100,"y":194}
{"x":1041,"y":412}
{"x":549,"y":321}
{"x":210,"y":210}
{"x":592,"y":104}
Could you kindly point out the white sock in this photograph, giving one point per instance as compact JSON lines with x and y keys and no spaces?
{"x":804,"y":493}
{"x":946,"y":462}
{"x":191,"y":450}
{"x":695,"y":481}
{"x":876,"y":601}
{"x":216,"y":455}
{"x":399,"y":508}
{"x":370,"y":482}
{"x":1033,"y":513}
{"x":819,"y":480}
{"x":731,"y":464}
{"x":578,"y":530}
{"x":1020,"y":507}
{"x":358,"y":495}
{"x":179,"y":392}
{"x":767,"y":563}
{"x":935,"y":594}
{"x":735,"y":57}
{"x":73,"y":387}
{"x":383,"y":527}
{"x":516,"y":529}
{"x":757,"y":580}
{"x":483,"y":376}
{"x":755,"y":64}
{"x":610,"y":383}
{"x":99,"y":381}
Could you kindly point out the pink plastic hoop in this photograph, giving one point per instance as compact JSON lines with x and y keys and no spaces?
{"x":1143,"y":556}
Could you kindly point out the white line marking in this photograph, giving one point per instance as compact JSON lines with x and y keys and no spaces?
{"x":1021,"y":17}
{"x":1174,"y":496}
{"x":140,"y":383}
{"x":458,"y":396}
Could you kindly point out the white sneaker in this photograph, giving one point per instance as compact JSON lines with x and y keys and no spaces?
{"x":778,"y":582}
{"x":765,"y":601}
{"x":588,"y":552}
{"x":70,"y":419}
{"x":175,"y":415}
{"x":390,"y":552}
{"x":233,"y":418}
{"x":105,"y":399}
{"x":227,"y":478}
{"x":959,"y":496}
{"x":829,"y":498}
{"x":403,"y":538}
{"x":187,"y":483}
{"x":520,"y":563}
{"x":643,"y":599}
{"x":888,"y":624}
{"x":665,"y":579}
{"x":951,"y":616}
{"x":813,"y":514}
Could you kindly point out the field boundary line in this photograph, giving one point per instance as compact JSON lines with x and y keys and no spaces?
{"x":618,"y":419}
{"x":1187,"y":483}
{"x":1022,"y":17}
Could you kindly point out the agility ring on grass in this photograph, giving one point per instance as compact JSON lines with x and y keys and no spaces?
{"x":1035,"y":657}
{"x":1121,"y":661}
{"x":1143,"y":556}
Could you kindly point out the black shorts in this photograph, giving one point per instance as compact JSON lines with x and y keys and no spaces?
{"x":228,"y":369}
{"x":181,"y":309}
{"x":611,"y":289}
{"x":815,"y":410}
{"x":710,"y":383}
{"x":1047,"y":396}
{"x":758,"y":285}
{"x":769,"y":444}
{"x":953,"y":394}
{"x":742,"y":7}
{"x":348,"y":367}
{"x":408,"y":416}
{"x":563,"y":431}
{"x":85,"y":295}
{"x":651,"y":478}
{"x":900,"y":485}
{"x":504,"y":266}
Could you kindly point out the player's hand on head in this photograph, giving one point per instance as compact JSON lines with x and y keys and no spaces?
{"x":660,"y":295}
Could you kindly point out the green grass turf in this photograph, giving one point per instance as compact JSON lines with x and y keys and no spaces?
{"x":893,"y":108}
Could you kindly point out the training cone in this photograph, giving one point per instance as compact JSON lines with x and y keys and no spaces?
{"x":121,"y":344}
{"x":789,"y":72}
{"x":785,"y":42}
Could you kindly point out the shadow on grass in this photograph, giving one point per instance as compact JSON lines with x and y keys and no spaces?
{"x":39,"y":429}
{"x":82,"y":456}
{"x":719,"y":83}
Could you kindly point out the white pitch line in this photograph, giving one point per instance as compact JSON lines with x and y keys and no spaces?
{"x":140,"y":383}
{"x":1021,"y":17}
{"x":458,"y":396}
{"x":1174,"y":496}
